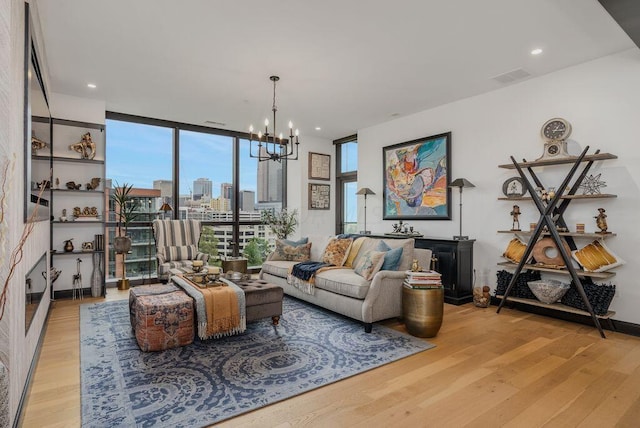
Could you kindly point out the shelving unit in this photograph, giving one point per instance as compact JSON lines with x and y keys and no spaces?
{"x":551,"y":218}
{"x":68,"y":165}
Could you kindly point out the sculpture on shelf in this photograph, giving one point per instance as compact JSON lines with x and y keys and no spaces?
{"x":71,"y":185}
{"x":515,"y":213}
{"x":591,"y":184}
{"x":63,"y":217}
{"x":601,"y":220}
{"x":86,"y":147}
{"x":93,"y":185}
{"x":37,"y":144}
{"x":68,"y":245}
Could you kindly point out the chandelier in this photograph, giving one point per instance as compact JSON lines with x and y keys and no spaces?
{"x":272,"y":146}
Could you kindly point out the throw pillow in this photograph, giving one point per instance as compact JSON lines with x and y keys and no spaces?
{"x":515,"y":250}
{"x":177,"y":253}
{"x":337,"y":251}
{"x":297,"y":243}
{"x":391,"y":257}
{"x":353,"y":251}
{"x":290,"y":253}
{"x":596,"y":257}
{"x":369,"y":264}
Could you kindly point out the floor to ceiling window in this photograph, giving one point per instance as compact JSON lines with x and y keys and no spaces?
{"x":346,"y":184}
{"x":210,"y":178}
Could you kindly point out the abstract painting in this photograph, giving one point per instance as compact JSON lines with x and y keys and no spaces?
{"x":416,"y":179}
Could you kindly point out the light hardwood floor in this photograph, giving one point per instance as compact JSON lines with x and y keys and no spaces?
{"x":510,"y":369}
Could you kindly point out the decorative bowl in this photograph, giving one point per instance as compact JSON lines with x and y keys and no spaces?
{"x":548,"y":290}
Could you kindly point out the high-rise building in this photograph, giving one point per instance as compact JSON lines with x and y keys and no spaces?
{"x":269,"y":181}
{"x":247,"y":200}
{"x":226,"y":190}
{"x":166,"y":192}
{"x":202,"y":187}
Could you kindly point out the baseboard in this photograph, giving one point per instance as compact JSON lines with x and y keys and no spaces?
{"x":17,"y":421}
{"x":616,"y":325}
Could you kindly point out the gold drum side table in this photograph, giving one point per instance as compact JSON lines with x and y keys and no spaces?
{"x":422,"y":309}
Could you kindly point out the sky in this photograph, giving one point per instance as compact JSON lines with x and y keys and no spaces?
{"x":139,"y":154}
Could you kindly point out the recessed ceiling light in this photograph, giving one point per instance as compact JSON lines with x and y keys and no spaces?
{"x":318,"y":128}
{"x":91,"y":85}
{"x":536,"y":51}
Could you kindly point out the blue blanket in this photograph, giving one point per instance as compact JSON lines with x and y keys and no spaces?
{"x":306,"y":270}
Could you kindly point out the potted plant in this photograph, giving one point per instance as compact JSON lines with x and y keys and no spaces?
{"x":282,"y":223}
{"x":125,"y":209}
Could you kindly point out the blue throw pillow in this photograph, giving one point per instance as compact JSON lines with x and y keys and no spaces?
{"x":392,"y":256}
{"x":298,"y":243}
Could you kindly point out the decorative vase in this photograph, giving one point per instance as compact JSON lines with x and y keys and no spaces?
{"x":68,"y":245}
{"x":97,"y":275}
{"x":122,"y":244}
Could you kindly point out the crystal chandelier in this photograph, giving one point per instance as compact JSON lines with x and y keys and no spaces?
{"x":272,"y":146}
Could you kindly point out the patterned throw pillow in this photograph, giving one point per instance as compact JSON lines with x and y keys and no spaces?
{"x":337,"y":251}
{"x":353,"y":251}
{"x":515,"y":250}
{"x":297,"y":243}
{"x":369,"y":264}
{"x":391,"y":257}
{"x":596,"y":257}
{"x":290,"y":253}
{"x":177,"y":253}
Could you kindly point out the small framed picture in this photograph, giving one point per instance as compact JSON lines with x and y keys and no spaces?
{"x":514,"y":187}
{"x":319,"y":196}
{"x":319,"y":166}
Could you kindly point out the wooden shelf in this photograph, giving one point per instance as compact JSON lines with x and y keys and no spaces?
{"x":66,"y":159}
{"x":545,"y":162}
{"x":581,"y":273}
{"x":555,"y":306}
{"x":78,"y":191}
{"x":580,"y":235}
{"x":528,"y":198}
{"x":75,"y":252}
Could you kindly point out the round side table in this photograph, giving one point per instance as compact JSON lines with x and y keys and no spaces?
{"x":422,"y":309}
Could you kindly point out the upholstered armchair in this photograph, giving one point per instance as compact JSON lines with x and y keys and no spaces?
{"x":176,"y":245}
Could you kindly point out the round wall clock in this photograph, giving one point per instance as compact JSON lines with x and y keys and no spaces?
{"x":514,"y":187}
{"x":556,"y":129}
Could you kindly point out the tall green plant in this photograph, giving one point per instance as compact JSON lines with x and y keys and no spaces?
{"x":282,"y":223}
{"x":125,"y":206}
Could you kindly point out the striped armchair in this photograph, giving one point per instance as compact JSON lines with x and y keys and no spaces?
{"x":176,"y":245}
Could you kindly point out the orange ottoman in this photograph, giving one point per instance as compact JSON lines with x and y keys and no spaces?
{"x":163,"y":321}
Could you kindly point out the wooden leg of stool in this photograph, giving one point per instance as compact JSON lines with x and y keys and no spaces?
{"x":275,"y":320}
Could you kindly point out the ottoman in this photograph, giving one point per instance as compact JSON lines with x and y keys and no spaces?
{"x":146,"y":290}
{"x":263,"y":299}
{"x":163,"y":321}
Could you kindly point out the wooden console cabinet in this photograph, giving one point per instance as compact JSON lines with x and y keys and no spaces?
{"x":454,"y":260}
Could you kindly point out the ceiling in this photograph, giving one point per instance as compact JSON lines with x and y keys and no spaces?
{"x":344,"y":65}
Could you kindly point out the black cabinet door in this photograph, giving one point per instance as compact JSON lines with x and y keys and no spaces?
{"x":454,"y":260}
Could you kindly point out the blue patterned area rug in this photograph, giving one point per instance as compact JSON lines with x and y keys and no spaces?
{"x":213,"y":380}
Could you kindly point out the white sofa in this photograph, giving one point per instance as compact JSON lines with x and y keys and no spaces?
{"x":347,"y":293}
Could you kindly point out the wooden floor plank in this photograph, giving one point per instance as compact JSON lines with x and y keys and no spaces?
{"x":488,"y":370}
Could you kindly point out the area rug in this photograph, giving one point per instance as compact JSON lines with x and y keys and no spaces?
{"x":213,"y":380}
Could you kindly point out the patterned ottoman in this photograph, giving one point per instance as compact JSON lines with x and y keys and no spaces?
{"x":263,"y":299}
{"x":162,"y":321}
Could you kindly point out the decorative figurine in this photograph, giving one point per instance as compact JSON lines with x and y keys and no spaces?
{"x":591,"y":184}
{"x":77,"y":212}
{"x":86,"y":147}
{"x":601,"y":220}
{"x":68,"y":245}
{"x":77,"y":282}
{"x":95,"y":182}
{"x":415,"y":266}
{"x":515,"y":213}
{"x":63,"y":217}
{"x":57,"y":183}
{"x":71,"y":185}
{"x":37,"y":144}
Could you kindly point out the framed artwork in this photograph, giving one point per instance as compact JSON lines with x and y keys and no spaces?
{"x":319,"y":196}
{"x":319,"y":166}
{"x":416,"y":179}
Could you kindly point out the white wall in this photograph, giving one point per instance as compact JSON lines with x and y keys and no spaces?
{"x":599,"y":98}
{"x":312,"y":222}
{"x":16,"y":348}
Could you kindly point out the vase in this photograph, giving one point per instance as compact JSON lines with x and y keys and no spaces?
{"x":97,"y":275}
{"x":122,"y":244}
